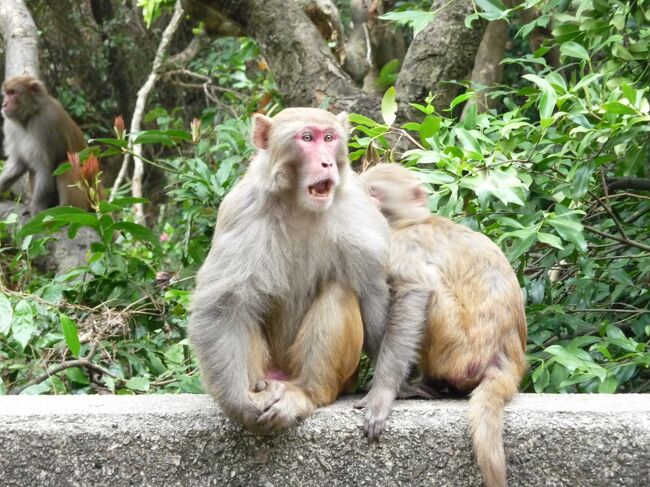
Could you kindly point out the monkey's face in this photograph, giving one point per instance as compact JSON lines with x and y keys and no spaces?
{"x":10,"y":103}
{"x":308,"y":153}
{"x":21,"y":98}
{"x":397,"y":192}
{"x":318,"y":169}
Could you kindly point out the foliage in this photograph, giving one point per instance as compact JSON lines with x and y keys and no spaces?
{"x":533,"y":175}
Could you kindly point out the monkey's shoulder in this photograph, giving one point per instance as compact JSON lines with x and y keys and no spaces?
{"x":24,"y":144}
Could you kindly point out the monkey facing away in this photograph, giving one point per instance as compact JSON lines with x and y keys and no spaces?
{"x":295,"y":281}
{"x":457,"y":311}
{"x":38,"y":135}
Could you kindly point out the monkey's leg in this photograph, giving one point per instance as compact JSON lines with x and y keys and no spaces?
{"x":13,"y":169}
{"x":323,"y":358}
{"x":399,"y":350}
{"x":44,"y":192}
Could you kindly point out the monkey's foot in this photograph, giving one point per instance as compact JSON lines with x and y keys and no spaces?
{"x":286,"y":405}
{"x":378,"y":404}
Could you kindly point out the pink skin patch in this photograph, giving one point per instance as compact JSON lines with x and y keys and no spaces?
{"x":319,"y":146}
{"x":276,"y":374}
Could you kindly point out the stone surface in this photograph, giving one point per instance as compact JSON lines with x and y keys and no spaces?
{"x":551,"y":440}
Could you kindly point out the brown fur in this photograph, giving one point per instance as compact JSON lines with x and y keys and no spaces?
{"x":38,"y":135}
{"x":468,"y":330}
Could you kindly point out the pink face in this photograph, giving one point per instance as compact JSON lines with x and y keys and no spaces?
{"x":9,"y":102}
{"x":320,"y":173}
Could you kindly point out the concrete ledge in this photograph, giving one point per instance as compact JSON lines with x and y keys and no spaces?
{"x":551,"y":440}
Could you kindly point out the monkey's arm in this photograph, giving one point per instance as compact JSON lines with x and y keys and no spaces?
{"x":223,"y":322}
{"x":13,"y":169}
{"x":44,"y":190}
{"x":399,"y":350}
{"x":374,"y":300}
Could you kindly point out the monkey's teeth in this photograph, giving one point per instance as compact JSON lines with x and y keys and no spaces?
{"x":321,"y":189}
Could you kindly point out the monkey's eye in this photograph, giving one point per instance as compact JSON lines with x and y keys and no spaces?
{"x":328,"y":138}
{"x":307,"y":137}
{"x":10,"y":92}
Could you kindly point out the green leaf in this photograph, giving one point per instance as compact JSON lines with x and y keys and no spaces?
{"x":37,"y":389}
{"x":618,"y":108}
{"x":609,"y":385}
{"x":467,"y":140}
{"x":417,"y":19}
{"x":587,"y":80}
{"x":128,"y":201}
{"x":569,"y":228}
{"x":552,"y":240}
{"x":492,"y":9}
{"x":548,"y":99}
{"x":120,"y":144}
{"x":521,"y":246}
{"x":429,"y":127}
{"x":575,"y":50}
{"x":78,"y":375}
{"x":62,"y":169}
{"x":23,"y":328}
{"x":138,"y":232}
{"x":175,"y":354}
{"x":575,"y":360}
{"x":540,"y":378}
{"x":389,"y":106}
{"x":153,"y":137}
{"x":502,"y":184}
{"x":140,"y":384}
{"x":581,"y":180}
{"x":6,"y":315}
{"x":55,"y":218}
{"x":461,"y":98}
{"x":362,"y":120}
{"x":71,"y":334}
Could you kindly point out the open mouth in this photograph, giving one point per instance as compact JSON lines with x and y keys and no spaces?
{"x":321,"y":189}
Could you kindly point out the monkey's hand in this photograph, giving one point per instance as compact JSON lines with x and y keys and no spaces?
{"x":284,"y":405}
{"x":378,"y":404}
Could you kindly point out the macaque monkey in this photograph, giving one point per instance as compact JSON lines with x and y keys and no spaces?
{"x":295,"y":282}
{"x":457,"y":312}
{"x":38,"y":135}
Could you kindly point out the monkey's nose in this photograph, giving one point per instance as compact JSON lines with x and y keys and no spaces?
{"x":326,"y":164}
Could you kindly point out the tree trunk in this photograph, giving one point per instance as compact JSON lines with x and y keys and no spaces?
{"x":21,"y":39}
{"x":307,"y":72}
{"x":487,"y":65}
{"x":444,"y":51}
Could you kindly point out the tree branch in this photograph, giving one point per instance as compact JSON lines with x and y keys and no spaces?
{"x":642,"y":184}
{"x":138,"y":113}
{"x":82,"y":362}
{"x":626,"y":241}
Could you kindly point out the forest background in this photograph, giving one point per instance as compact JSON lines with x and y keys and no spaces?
{"x":527,"y":120}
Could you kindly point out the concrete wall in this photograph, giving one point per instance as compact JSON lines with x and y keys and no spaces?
{"x":551,"y":440}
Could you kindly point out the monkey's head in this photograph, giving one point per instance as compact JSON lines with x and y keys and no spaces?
{"x":398,"y":192}
{"x":307,"y":154}
{"x":23,"y":97}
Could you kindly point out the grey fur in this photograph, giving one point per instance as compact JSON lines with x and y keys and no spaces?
{"x":269,"y":253}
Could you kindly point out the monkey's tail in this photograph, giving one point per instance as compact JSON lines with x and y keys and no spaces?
{"x":485,"y":414}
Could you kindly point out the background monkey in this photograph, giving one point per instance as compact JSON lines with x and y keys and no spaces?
{"x":456,"y":307}
{"x":38,"y":134}
{"x":295,"y":281}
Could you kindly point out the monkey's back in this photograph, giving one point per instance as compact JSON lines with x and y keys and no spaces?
{"x":475,"y":296}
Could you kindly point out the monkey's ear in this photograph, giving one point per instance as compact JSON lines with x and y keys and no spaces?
{"x":377,"y":194}
{"x":419,"y":195}
{"x":261,"y":131}
{"x":343,"y":120}
{"x":36,"y":86}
